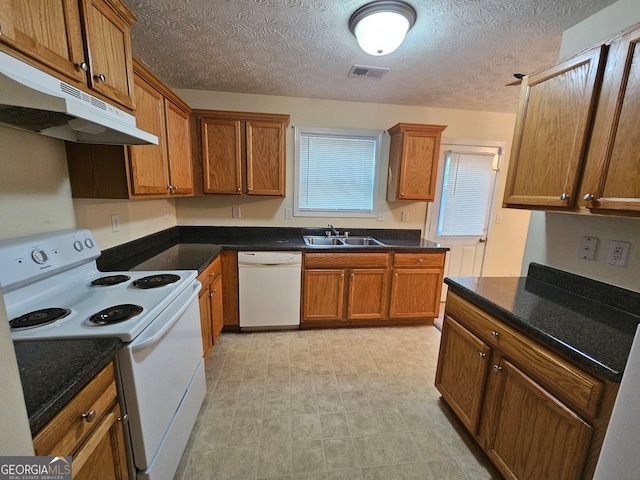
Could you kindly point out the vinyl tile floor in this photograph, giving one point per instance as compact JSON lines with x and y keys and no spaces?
{"x":339,"y":404}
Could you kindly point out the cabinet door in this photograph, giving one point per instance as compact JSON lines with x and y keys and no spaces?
{"x":552,"y":131}
{"x":418,"y":165}
{"x":323,"y":295}
{"x":463,"y":363}
{"x":206,"y":323}
{"x":265,"y":158}
{"x":109,"y":47}
{"x":217,"y":314}
{"x":529,"y":434}
{"x":222,"y":156}
{"x":415,"y":292}
{"x":367,"y":293}
{"x":103,"y":454}
{"x":179,"y":149}
{"x":49,"y":32}
{"x":613,"y":179}
{"x":149,"y":166}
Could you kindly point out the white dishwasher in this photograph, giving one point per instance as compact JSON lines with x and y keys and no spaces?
{"x":269,"y":288}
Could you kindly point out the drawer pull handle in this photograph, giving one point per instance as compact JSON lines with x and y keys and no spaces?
{"x":89,"y":417}
{"x":419,"y":260}
{"x":123,"y":418}
{"x":482,"y":354}
{"x":494,"y":334}
{"x":497,"y":368}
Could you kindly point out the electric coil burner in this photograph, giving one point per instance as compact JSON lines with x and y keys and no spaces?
{"x":39,"y":317}
{"x":115,"y":314}
{"x":154,"y":281}
{"x":110,"y":280}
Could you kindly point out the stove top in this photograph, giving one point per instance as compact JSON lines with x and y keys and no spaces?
{"x":56,"y":274}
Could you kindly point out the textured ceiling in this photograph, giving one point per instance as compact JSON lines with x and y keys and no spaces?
{"x":459,"y":54}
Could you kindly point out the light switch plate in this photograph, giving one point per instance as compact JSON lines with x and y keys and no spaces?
{"x":588,"y":247}
{"x":115,"y":222}
{"x":288,"y":213}
{"x":235,"y":212}
{"x":405,"y":217}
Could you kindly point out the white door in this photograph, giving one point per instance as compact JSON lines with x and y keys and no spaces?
{"x":459,"y":216}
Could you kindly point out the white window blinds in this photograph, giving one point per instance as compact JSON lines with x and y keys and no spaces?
{"x":468,"y":183}
{"x":336,"y":171}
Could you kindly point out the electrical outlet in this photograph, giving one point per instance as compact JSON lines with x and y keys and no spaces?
{"x":405,"y":216}
{"x":115,"y":222}
{"x":165,"y":213}
{"x":618,"y":253}
{"x":381,"y":216}
{"x":288,"y":213}
{"x":235,"y":212}
{"x":588,"y":247}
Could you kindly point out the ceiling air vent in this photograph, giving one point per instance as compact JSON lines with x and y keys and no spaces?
{"x":367,"y":72}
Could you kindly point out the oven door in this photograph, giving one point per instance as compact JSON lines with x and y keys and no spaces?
{"x":161,"y":372}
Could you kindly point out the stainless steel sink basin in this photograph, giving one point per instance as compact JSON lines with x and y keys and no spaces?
{"x":361,"y":241}
{"x":319,"y":241}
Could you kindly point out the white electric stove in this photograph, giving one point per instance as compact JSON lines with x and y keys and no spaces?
{"x":54,"y":290}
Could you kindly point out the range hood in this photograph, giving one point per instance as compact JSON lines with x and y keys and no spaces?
{"x":36,"y":101}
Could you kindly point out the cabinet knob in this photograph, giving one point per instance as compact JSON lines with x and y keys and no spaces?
{"x":395,"y":274}
{"x":100,"y":77}
{"x":249,"y":188}
{"x":215,"y":290}
{"x":564,"y":196}
{"x":170,"y":187}
{"x":123,"y":418}
{"x":494,"y":334}
{"x":482,"y":354}
{"x":89,"y":417}
{"x":238,"y":189}
{"x":342,"y":274}
{"x":212,"y":274}
{"x":210,"y":294}
{"x":419,"y":260}
{"x":82,"y":66}
{"x":352,"y":275}
{"x":589,"y":197}
{"x":175,"y":187}
{"x":497,"y":368}
{"x":402,"y":194}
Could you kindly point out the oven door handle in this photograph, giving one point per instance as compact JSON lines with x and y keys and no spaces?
{"x":165,"y":328}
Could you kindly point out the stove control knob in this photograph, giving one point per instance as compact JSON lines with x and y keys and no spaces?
{"x":89,"y":243}
{"x":78,"y":245}
{"x":39,"y":256}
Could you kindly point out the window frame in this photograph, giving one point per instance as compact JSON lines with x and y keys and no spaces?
{"x":375,"y":135}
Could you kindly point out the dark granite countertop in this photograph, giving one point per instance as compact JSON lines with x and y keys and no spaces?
{"x":589,"y":323}
{"x":52,"y":372}
{"x":193,"y":248}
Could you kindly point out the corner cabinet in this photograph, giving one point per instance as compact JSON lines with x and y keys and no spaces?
{"x":146,"y":171}
{"x":241,"y":153}
{"x":575,"y":141}
{"x":533,"y":413}
{"x":84,"y":42}
{"x":89,"y":428}
{"x":413,"y":161}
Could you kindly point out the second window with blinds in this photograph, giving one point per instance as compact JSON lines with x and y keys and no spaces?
{"x":336,"y":172}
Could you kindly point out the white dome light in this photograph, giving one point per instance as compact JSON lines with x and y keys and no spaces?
{"x":380,"y":27}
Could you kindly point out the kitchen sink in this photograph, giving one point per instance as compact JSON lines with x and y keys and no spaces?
{"x":319,"y":241}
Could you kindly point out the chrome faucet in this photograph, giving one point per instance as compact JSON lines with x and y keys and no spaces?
{"x":333,"y":230}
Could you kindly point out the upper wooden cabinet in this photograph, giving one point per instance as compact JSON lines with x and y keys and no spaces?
{"x":144,"y":171}
{"x":413,"y":161}
{"x":552,"y":130}
{"x":241,"y":153}
{"x":84,"y":42}
{"x":576,"y":136}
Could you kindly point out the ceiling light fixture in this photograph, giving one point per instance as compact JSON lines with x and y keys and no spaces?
{"x":381,"y":26}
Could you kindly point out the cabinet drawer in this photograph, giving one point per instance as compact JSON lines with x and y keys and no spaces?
{"x":67,"y":430}
{"x":345,"y":260}
{"x":418,"y":260}
{"x":210,"y":273}
{"x":563,"y":379}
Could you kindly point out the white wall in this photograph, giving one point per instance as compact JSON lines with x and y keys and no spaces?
{"x":553,"y":238}
{"x":506,"y":246}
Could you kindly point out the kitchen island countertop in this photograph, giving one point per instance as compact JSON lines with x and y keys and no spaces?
{"x":52,"y":372}
{"x":589,"y":323}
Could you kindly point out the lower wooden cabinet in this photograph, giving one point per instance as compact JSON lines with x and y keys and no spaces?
{"x":89,"y":428}
{"x":363,"y":288}
{"x":210,"y":301}
{"x":533,"y":413}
